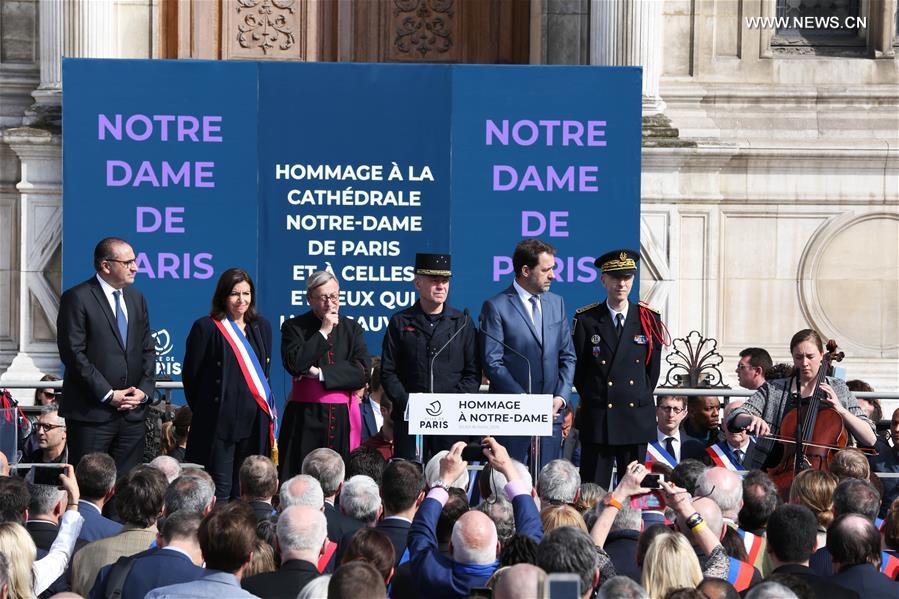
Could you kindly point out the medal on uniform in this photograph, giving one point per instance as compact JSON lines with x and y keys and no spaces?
{"x":640,"y":339}
{"x":596,"y":351}
{"x":595,"y":339}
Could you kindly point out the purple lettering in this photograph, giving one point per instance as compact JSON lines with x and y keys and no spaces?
{"x":104,"y":125}
{"x":172,"y":221}
{"x":141,"y":119}
{"x":494,"y":131}
{"x":201,"y":174}
{"x":554,"y":182}
{"x":210,"y":129}
{"x":502,"y":266}
{"x":526,"y":217}
{"x":525,"y":141}
{"x":531,"y":179}
{"x":111,"y":166}
{"x":557,"y":224}
{"x":165,"y":120}
{"x":596,"y":129}
{"x":187,"y":127}
{"x":586,"y":178}
{"x":145,"y":174}
{"x":498,"y":170}
{"x":168,"y":175}
{"x":142,"y":212}
{"x":204,"y":268}
{"x":572,"y":131}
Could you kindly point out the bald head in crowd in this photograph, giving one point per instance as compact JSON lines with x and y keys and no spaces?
{"x":302,"y":489}
{"x":474,"y":539}
{"x":520,"y":580}
{"x":724,"y":487}
{"x":711,"y":513}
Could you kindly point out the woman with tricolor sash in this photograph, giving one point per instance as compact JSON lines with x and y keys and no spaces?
{"x":225,"y":375}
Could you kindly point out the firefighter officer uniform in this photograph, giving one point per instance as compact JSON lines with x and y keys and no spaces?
{"x":618,"y":346}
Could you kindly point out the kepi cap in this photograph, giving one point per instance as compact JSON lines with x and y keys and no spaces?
{"x":433,"y":265}
{"x":618,"y":262}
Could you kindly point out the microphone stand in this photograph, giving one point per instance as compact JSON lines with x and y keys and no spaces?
{"x":419,"y":440}
{"x":535,"y":441}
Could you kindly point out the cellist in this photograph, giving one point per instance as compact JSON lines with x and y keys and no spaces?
{"x":762,"y":413}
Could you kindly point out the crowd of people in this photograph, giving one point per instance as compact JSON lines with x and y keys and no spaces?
{"x":636,"y":494}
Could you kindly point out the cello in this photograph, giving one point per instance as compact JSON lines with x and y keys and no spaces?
{"x":810,"y":434}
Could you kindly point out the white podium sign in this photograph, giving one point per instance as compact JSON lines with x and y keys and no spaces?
{"x":481,"y":414}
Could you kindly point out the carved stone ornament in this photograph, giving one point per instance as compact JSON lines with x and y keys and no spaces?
{"x":694,"y":362}
{"x":265,"y":24}
{"x":423,"y":26}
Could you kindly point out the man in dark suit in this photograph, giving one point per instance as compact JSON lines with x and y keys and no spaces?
{"x":177,"y":559}
{"x":258,"y":484}
{"x":44,"y":511}
{"x":96,"y":476}
{"x":103,"y":336}
{"x":619,"y":348}
{"x":302,"y":532}
{"x":791,"y":541}
{"x":402,"y":490}
{"x":532,"y":322}
{"x":410,"y":362}
{"x":854,"y":544}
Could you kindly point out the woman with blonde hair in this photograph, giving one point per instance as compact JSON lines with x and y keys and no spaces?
{"x":670,"y":563}
{"x":554,"y":516}
{"x":814,"y":489}
{"x":16,"y":544}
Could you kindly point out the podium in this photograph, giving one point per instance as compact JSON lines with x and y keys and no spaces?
{"x":481,"y":414}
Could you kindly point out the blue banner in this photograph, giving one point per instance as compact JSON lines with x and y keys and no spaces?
{"x":287,"y":168}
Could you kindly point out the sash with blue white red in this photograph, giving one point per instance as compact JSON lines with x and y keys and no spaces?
{"x":722,"y":456}
{"x":656,"y":452}
{"x":739,"y":574}
{"x":253,"y":374}
{"x":752,"y":543}
{"x":889,"y":565}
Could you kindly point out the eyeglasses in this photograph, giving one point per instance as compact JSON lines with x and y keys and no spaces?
{"x":125,"y":263}
{"x":742,"y":366}
{"x":49,"y":394}
{"x":671,"y":409}
{"x":43,"y":426}
{"x":333,"y":298}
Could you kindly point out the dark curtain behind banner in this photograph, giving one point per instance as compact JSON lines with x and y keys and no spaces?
{"x":286,"y":168}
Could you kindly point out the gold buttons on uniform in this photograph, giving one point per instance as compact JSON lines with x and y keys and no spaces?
{"x":610,"y":383}
{"x":637,"y":361}
{"x":603,"y":362}
{"x":610,"y":406}
{"x":630,"y":382}
{"x":630,"y":405}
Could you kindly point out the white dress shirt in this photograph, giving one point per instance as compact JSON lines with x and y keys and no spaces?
{"x":108,"y":292}
{"x":613,"y":312}
{"x":376,"y":410}
{"x":675,"y":444}
{"x":525,"y":296}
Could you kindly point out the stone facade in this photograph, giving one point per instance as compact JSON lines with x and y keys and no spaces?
{"x":770,"y":165}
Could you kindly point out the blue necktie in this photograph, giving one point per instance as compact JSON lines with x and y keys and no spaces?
{"x":120,"y":318}
{"x":538,"y":317}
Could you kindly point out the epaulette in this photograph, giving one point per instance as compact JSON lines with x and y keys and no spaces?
{"x":643,"y":304}
{"x":585,"y":308}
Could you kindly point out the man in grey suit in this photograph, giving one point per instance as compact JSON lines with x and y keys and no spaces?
{"x":532,"y":322}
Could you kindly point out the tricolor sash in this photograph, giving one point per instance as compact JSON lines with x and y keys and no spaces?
{"x":656,"y":452}
{"x":723,"y":457}
{"x":739,"y":574}
{"x":309,"y":390}
{"x":252,"y":372}
{"x":752,"y":543}
{"x":889,"y":565}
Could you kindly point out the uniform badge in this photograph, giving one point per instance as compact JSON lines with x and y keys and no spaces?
{"x":596,"y":351}
{"x":594,"y":340}
{"x":640,"y":339}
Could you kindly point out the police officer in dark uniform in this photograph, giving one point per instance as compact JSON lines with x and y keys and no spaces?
{"x":618,"y":345}
{"x":414,"y":336}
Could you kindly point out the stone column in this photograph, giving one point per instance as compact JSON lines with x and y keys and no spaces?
{"x":629,"y":33}
{"x":71,"y":28}
{"x":40,"y":232}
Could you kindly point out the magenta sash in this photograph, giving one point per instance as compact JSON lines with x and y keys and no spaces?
{"x":308,"y":390}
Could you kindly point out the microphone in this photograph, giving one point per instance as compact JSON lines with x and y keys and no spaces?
{"x":467,"y":315}
{"x":510,"y":348}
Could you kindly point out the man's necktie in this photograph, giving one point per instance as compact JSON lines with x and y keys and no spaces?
{"x":619,"y":324}
{"x":739,"y":455}
{"x":120,"y":317}
{"x":669,"y":446}
{"x":537,"y":316}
